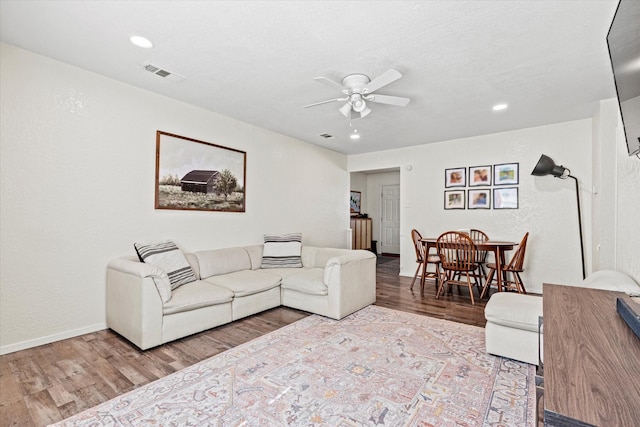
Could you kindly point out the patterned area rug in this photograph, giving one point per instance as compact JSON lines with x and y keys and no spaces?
{"x":376,"y":367}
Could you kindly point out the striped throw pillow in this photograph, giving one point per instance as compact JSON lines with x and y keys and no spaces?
{"x":168,"y":257}
{"x":282,"y":251}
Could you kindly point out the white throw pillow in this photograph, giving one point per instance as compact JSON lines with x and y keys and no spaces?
{"x":282,"y":251}
{"x":170,"y":259}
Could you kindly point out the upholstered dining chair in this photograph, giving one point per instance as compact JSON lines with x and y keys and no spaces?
{"x":514,"y":268}
{"x":457,"y":254}
{"x":420,"y":257}
{"x":481,"y":256}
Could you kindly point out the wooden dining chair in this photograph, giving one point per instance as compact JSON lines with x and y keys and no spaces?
{"x":420,"y":257}
{"x":515,"y":267}
{"x":481,"y":256}
{"x":457,"y":254}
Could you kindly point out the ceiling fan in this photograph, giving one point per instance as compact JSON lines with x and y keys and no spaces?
{"x":358,"y":89}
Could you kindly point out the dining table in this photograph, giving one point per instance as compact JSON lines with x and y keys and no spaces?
{"x":498,"y":247}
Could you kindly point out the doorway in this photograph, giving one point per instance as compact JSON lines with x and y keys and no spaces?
{"x":390,"y":219}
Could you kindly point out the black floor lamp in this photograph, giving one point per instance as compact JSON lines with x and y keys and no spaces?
{"x":546,"y":166}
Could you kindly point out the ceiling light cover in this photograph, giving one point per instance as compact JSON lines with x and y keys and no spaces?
{"x":358,"y":103}
{"x":142,"y":42}
{"x":500,"y":107}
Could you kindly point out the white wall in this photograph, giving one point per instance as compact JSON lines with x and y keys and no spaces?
{"x":547,"y":205}
{"x":77,"y":189}
{"x":631,"y":109}
{"x":627,"y":180}
{"x":616,"y":202}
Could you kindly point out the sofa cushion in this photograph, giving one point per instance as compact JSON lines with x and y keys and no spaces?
{"x":168,"y":257}
{"x":282,"y":251}
{"x":222,"y":261}
{"x":255,"y":255}
{"x":195,"y":295}
{"x":308,"y":281}
{"x":246,"y":282}
{"x":610,"y":280}
{"x":513,"y":310}
{"x":314,"y":257}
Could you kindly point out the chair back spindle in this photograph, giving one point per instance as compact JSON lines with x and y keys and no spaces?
{"x":418,"y":245}
{"x":517,"y":262}
{"x":479,"y":236}
{"x":456,"y":251}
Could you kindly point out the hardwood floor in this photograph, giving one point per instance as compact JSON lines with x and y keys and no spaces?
{"x":45,"y":384}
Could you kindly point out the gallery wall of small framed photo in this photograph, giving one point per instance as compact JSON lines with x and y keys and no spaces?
{"x":479,"y":175}
{"x":505,"y":198}
{"x":455,"y":177}
{"x":479,"y":199}
{"x":505,"y":174}
{"x":454,"y":199}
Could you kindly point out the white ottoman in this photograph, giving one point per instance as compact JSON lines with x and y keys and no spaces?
{"x":512,"y":326}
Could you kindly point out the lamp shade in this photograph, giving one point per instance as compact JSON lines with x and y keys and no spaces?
{"x":546,"y":166}
{"x":346,"y":110}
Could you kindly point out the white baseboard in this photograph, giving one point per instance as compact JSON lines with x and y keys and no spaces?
{"x":6,"y":349}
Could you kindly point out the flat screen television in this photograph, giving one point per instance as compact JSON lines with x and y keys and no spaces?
{"x":623,"y":41}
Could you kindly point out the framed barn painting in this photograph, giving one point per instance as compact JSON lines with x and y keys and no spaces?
{"x":197,"y":175}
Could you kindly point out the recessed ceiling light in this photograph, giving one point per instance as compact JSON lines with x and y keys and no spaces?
{"x":355,"y":134}
{"x":142,"y":42}
{"x":500,"y":107}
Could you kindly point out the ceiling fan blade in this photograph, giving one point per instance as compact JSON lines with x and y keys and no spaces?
{"x":332,"y":84}
{"x":386,"y":99}
{"x":325,"y":102}
{"x":388,"y":77}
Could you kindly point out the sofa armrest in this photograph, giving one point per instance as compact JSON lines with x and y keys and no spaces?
{"x":351,"y":282}
{"x":133,"y":303}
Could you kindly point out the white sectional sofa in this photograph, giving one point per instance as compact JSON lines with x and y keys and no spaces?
{"x":231,"y":285}
{"x":512,"y":319}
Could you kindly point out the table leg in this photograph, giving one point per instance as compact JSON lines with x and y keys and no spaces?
{"x":424,"y":271}
{"x":427,"y":248}
{"x":499,"y":255}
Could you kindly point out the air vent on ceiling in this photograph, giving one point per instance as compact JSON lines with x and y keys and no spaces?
{"x":168,"y":75}
{"x":326,"y":135}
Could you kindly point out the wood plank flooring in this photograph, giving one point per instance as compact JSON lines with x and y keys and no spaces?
{"x":45,"y":384}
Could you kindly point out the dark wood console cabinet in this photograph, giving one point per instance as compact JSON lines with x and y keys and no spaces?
{"x":591,"y":360}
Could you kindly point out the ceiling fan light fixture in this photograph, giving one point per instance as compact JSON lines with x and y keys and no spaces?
{"x":346,"y":110}
{"x":364,"y":113}
{"x":358,"y":103}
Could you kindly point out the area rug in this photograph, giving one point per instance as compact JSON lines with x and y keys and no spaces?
{"x":376,"y":367}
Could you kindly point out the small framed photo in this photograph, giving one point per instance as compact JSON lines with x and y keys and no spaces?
{"x":456,"y":177}
{"x":505,"y":174}
{"x":454,"y":199}
{"x":479,"y":175}
{"x":505,"y":198}
{"x":355,"y":200}
{"x":480,"y":199}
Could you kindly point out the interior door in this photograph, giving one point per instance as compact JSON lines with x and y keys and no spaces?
{"x":390,"y":227}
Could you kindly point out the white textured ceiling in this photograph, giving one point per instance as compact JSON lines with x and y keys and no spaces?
{"x":256,"y":60}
